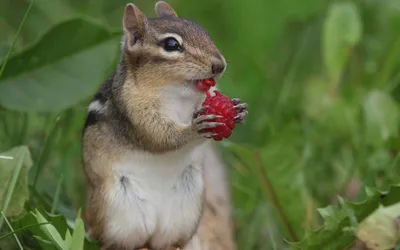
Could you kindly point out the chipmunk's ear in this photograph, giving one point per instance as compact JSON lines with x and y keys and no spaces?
{"x":165,"y":10}
{"x":135,"y":24}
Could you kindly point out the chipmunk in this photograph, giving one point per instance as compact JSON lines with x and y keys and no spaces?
{"x":144,"y":145}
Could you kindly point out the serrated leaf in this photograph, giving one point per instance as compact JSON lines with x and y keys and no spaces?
{"x":342,"y":30}
{"x":51,"y":232}
{"x":66,"y":66}
{"x":381,"y":117}
{"x":332,"y":236}
{"x":78,"y":236}
{"x":17,"y":159}
{"x":60,"y":223}
{"x":68,"y":238}
{"x":326,"y":211}
{"x":39,"y":238}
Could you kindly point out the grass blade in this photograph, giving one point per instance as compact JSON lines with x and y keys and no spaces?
{"x":16,"y":38}
{"x":13,"y":182}
{"x":12,"y":230}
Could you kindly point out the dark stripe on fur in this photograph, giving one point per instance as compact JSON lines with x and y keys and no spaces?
{"x":91,"y":119}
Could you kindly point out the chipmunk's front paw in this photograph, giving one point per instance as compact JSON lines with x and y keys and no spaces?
{"x":203,"y":123}
{"x":241,"y":110}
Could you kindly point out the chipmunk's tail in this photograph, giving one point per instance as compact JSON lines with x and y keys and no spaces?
{"x":215,"y":231}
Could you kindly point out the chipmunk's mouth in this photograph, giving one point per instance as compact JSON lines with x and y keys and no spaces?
{"x":204,"y":84}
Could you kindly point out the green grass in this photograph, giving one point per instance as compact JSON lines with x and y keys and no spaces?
{"x":321,"y":79}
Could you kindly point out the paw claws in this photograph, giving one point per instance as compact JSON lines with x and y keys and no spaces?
{"x":240,"y":121}
{"x":239,"y":118}
{"x":203,"y":118}
{"x":235,"y":101}
{"x":205,"y":125}
{"x":208,"y":135}
{"x":198,"y":112}
{"x":241,"y":106}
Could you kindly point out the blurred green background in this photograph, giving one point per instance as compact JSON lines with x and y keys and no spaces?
{"x":321,"y":79}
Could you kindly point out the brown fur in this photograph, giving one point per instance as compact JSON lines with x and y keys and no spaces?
{"x":156,"y":130}
{"x":215,"y":230}
{"x":134,"y":117}
{"x":147,"y":72}
{"x":98,"y":157}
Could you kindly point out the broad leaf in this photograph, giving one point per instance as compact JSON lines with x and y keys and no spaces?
{"x":14,"y":167}
{"x":63,"y":68}
{"x":342,"y":30}
{"x":382,"y":117}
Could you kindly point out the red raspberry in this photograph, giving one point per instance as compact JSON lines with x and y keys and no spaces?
{"x":221,"y":105}
{"x":204,"y":85}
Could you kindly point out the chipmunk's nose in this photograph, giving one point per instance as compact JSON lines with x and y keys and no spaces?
{"x":218,"y":66}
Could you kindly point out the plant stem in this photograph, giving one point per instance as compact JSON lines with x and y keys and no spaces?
{"x":270,"y":188}
{"x":57,"y":195}
{"x":22,"y":229}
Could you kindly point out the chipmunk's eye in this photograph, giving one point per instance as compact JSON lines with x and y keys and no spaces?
{"x":171,"y":44}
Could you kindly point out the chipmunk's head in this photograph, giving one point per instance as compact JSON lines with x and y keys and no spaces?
{"x":168,"y":49}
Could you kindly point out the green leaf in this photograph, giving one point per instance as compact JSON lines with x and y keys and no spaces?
{"x":326,"y":212}
{"x":332,"y":235}
{"x":62,"y":227}
{"x":78,"y":236}
{"x":68,"y":237}
{"x":64,"y":67}
{"x":14,"y":167}
{"x":4,"y":48}
{"x":38,"y":238}
{"x":50,"y":231}
{"x":42,"y":240}
{"x":381,"y":117}
{"x":342,"y":30}
{"x":324,"y":105}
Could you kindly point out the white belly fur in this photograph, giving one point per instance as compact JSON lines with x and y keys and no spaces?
{"x":162,"y":199}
